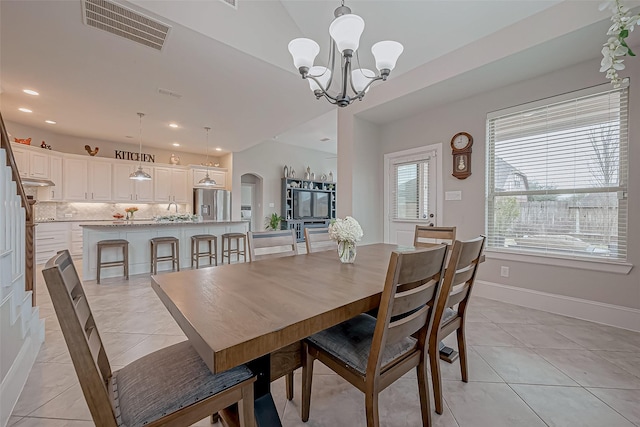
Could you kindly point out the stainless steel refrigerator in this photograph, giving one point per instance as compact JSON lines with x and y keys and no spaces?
{"x":212,"y":205}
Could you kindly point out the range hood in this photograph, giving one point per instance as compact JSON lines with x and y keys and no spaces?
{"x":37,"y":182}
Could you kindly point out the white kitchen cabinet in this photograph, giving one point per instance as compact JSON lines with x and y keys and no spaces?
{"x":219,"y":176}
{"x":75,"y":182}
{"x":54,"y":193}
{"x":39,"y":164}
{"x":126,"y":189}
{"x":170,"y":185}
{"x":99,"y":189}
{"x":21,"y":155}
{"x":50,"y":238}
{"x":87,"y":180}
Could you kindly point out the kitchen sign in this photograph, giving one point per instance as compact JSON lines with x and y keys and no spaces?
{"x":138,"y":157}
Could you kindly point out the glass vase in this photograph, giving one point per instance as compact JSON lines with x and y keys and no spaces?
{"x":347,"y":252}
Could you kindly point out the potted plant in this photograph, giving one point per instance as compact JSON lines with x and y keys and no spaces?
{"x":273,"y":222}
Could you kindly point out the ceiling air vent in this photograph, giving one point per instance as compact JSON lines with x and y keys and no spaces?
{"x":232,"y":3}
{"x":124,"y":22}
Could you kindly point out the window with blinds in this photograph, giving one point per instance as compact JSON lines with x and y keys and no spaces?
{"x":410,"y":190}
{"x":557,"y":175}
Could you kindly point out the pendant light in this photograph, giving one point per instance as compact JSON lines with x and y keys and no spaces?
{"x":140,"y":175}
{"x":207,"y":180}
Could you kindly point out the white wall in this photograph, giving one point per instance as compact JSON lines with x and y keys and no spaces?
{"x":267,"y":160}
{"x":75,"y":145}
{"x":439,"y":124}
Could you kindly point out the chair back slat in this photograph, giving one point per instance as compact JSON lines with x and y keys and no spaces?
{"x":408,"y":325}
{"x":462,"y":268}
{"x":409,"y":300}
{"x":428,"y":236}
{"x":272,"y":244}
{"x":318,"y":240}
{"x":406,"y":311}
{"x":458,"y":295}
{"x":82,"y":310}
{"x":82,"y":337}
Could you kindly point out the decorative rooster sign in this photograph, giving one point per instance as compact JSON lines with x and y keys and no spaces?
{"x":90,"y":151}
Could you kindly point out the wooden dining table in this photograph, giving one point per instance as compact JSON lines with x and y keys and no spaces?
{"x":257,"y":313}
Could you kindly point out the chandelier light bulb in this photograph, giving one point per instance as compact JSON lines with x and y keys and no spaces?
{"x":322,"y":74}
{"x":361,"y":77}
{"x":346,"y":30}
{"x":304,"y":52}
{"x":386,"y":54}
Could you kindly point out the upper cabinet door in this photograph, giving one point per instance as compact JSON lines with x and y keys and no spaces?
{"x":179,"y":186}
{"x":100,"y":180}
{"x":39,"y":165}
{"x":144,"y":189}
{"x":22,"y":160}
{"x":122,"y":184}
{"x":218,"y":176}
{"x":53,"y":194}
{"x":162,"y":184}
{"x":75,"y":179}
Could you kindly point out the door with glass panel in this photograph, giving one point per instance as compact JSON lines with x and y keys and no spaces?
{"x":410,"y":195}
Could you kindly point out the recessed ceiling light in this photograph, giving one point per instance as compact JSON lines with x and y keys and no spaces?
{"x":51,"y":122}
{"x":218,"y":149}
{"x":31,"y":92}
{"x":25,"y":110}
{"x":173,"y":125}
{"x":175,"y":144}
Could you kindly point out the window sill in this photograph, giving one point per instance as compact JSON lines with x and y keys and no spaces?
{"x":617,"y":267}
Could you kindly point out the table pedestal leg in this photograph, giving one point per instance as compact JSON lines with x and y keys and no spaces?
{"x":265,"y":408}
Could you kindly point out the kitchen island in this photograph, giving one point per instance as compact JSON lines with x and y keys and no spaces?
{"x":138,"y":234}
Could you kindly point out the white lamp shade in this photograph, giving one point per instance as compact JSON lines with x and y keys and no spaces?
{"x":303,"y":51}
{"x":361,"y":78}
{"x":322,"y":74}
{"x":346,"y":30}
{"x":386,"y":54}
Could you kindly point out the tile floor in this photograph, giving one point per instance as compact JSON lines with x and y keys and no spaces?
{"x":527,"y":368}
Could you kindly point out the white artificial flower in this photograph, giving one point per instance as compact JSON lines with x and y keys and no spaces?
{"x":345,"y":230}
{"x":615,"y":47}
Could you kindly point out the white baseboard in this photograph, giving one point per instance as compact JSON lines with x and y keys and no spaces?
{"x":14,"y":381}
{"x":593,"y":311}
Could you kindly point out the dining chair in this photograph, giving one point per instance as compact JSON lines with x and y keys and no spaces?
{"x":456,"y":290}
{"x":271,"y":244}
{"x":275,"y":244}
{"x":318,"y":240}
{"x":372,"y":353}
{"x":169,"y":387}
{"x":427,"y":236}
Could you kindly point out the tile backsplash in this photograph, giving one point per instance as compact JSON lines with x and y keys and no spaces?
{"x":102,"y":211}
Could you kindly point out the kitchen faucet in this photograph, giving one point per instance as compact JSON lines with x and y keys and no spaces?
{"x":172,"y":203}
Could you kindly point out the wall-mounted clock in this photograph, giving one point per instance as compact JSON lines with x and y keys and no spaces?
{"x":461,"y":150}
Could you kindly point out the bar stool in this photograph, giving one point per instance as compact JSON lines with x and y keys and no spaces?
{"x":115,"y":243}
{"x":212,"y":253}
{"x":174,"y":257}
{"x":228,"y":250}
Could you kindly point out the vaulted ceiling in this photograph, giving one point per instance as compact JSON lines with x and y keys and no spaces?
{"x":231,"y":69}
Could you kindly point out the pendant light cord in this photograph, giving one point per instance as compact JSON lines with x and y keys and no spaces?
{"x":140,"y":139}
{"x":207,"y":148}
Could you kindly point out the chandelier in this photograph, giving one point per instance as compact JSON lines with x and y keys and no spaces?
{"x":345,"y":31}
{"x":140,"y":174}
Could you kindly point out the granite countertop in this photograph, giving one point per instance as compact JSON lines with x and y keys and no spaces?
{"x":140,"y":223}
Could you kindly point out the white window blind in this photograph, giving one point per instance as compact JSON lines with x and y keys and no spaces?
{"x":410,"y":189}
{"x":557,"y":175}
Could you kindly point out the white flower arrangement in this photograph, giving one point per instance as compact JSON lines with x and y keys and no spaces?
{"x":345,"y":230}
{"x":616,"y":47}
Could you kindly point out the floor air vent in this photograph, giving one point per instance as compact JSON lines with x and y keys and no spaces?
{"x":124,"y":22}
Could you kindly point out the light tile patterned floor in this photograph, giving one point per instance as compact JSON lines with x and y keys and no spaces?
{"x":527,"y":368}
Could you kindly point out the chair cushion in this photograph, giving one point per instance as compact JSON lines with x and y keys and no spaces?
{"x":448,"y":314}
{"x":350,"y":342}
{"x":165,"y":381}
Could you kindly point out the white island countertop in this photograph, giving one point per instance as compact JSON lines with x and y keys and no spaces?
{"x":154,"y":223}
